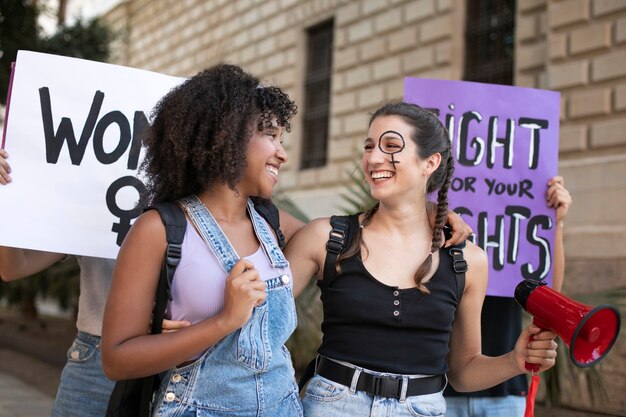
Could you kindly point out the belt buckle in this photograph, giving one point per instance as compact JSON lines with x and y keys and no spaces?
{"x":387,"y":386}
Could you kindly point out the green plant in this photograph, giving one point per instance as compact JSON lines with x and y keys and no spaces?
{"x":356,"y":196}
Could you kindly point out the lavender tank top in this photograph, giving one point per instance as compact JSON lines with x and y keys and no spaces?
{"x":199,"y":280}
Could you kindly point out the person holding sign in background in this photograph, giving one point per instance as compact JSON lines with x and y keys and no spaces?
{"x":501,"y":322}
{"x":397,"y":316}
{"x":84,"y":390}
{"x":214,"y":142}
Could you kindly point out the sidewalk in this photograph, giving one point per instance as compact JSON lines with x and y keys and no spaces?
{"x":32,"y":355}
{"x":20,"y":400}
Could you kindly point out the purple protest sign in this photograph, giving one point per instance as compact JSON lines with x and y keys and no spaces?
{"x":505,"y":144}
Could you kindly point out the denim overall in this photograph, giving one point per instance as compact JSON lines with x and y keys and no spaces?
{"x":248,"y":373}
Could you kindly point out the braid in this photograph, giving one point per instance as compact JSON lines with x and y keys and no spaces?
{"x":442,"y":205}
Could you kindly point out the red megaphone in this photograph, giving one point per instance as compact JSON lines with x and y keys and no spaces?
{"x":588,"y":332}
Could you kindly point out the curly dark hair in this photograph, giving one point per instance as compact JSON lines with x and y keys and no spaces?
{"x":200,"y":131}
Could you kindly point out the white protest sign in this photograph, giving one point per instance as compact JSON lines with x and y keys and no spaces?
{"x":73,"y":138}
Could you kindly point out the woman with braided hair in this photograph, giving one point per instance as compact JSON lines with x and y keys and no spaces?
{"x":399,"y":321}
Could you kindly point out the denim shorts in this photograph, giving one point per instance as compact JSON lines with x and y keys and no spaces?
{"x":84,"y":390}
{"x":326,"y":398}
{"x":507,"y":406}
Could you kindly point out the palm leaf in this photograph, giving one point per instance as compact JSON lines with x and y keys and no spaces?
{"x":356,"y":197}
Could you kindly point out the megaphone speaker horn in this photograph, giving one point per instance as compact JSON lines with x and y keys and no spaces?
{"x":589,"y":332}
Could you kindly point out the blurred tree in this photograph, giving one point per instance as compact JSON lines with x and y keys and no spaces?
{"x":60,"y":282}
{"x":83,"y":39}
{"x":18,"y":30}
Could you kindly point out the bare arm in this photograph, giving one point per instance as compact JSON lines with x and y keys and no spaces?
{"x":289,"y":225}
{"x":16,"y":263}
{"x":306,"y":252}
{"x":128,"y":351}
{"x":470,"y":370}
{"x":559,"y":198}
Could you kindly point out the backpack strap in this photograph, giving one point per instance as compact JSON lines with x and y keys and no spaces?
{"x":175,"y":223}
{"x":336,"y":243}
{"x":459,"y":265}
{"x":270,"y":213}
{"x":133,"y":397}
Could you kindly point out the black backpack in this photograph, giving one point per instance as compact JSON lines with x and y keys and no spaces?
{"x":132,"y":397}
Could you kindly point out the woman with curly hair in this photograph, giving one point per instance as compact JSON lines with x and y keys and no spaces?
{"x":215,"y":142}
{"x":398,"y":315}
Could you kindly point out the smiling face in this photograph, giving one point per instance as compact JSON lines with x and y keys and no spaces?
{"x":264,"y":156}
{"x":390,"y":160}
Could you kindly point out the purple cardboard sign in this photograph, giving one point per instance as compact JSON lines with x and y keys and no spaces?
{"x":505,"y":145}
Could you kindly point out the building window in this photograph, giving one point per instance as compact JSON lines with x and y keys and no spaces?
{"x":317,"y":95}
{"x":490,"y":41}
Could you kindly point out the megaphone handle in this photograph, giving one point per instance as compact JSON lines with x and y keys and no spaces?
{"x":534,"y":367}
{"x":534,"y":382}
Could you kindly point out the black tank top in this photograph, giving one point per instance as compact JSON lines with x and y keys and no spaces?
{"x":383,"y":328}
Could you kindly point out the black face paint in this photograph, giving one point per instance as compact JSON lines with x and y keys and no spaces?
{"x":391,"y":142}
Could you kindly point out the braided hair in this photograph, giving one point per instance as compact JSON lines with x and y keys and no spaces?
{"x":200,"y":131}
{"x":431,"y":137}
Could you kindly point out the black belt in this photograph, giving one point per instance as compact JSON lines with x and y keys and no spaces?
{"x":382,"y":386}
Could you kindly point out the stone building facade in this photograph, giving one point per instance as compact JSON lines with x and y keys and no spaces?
{"x":576,"y":47}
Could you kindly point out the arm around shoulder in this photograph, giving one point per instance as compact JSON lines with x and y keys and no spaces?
{"x":306,"y":252}
{"x":289,"y":224}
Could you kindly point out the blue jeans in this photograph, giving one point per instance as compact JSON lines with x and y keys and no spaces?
{"x":326,"y":398}
{"x":508,"y":406}
{"x":84,"y":390}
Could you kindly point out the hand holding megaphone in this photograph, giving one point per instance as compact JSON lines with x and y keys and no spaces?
{"x":588,"y":331}
{"x":536,"y":348}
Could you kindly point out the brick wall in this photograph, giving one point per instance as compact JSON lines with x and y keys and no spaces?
{"x":577,"y":47}
{"x":377,"y":43}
